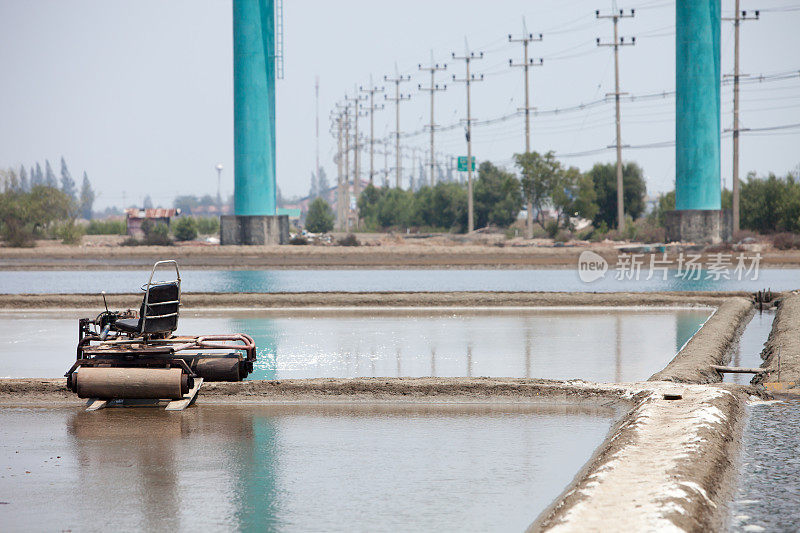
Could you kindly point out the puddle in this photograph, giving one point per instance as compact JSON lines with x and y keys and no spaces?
{"x":768,"y":497}
{"x":605,"y":345}
{"x":747,"y":352}
{"x":292,"y":468}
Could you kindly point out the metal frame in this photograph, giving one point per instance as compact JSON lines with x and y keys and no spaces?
{"x":147,"y":293}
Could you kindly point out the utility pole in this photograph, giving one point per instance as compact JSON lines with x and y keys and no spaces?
{"x":372,"y":108}
{"x":468,"y":80}
{"x":356,"y":153}
{"x":339,"y":193}
{"x":316,"y":106}
{"x":385,"y":163}
{"x":526,"y":63}
{"x":737,"y":18}
{"x":345,"y":189}
{"x":618,"y":41}
{"x":433,"y":89}
{"x":398,"y":97}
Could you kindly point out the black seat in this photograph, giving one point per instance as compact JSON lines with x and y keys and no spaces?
{"x":158,"y":313}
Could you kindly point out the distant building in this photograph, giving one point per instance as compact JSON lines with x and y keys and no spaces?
{"x":135,"y":218}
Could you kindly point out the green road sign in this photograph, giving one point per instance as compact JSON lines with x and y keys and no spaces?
{"x":462,"y":163}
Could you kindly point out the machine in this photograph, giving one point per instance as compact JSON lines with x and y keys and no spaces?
{"x":126,"y":355}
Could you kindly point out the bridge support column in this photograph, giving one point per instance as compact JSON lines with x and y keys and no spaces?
{"x":698,"y":216}
{"x":254,"y":220}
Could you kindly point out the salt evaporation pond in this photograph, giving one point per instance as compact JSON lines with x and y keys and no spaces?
{"x":291,"y":468}
{"x":379,"y":280}
{"x":596,"y":344}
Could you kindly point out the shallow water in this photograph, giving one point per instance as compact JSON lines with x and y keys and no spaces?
{"x":747,"y":352}
{"x":291,"y":468}
{"x":559,"y":280}
{"x":610,"y":345}
{"x":768,"y":496}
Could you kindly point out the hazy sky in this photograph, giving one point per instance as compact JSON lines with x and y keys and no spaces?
{"x":139,"y":92}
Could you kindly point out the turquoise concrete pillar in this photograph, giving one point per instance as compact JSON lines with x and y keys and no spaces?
{"x":254,"y":107}
{"x":697,"y":110}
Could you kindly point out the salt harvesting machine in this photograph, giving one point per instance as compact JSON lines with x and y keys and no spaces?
{"x":127,"y":355}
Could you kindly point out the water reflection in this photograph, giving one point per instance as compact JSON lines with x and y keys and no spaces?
{"x":566,"y":279}
{"x":296,"y":468}
{"x":598,"y":345}
{"x":608,"y":345}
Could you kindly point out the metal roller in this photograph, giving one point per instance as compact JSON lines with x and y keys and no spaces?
{"x":121,"y":382}
{"x":218,"y":368}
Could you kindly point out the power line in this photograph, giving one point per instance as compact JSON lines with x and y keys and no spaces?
{"x":398,"y":97}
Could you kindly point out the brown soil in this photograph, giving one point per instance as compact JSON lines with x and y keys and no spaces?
{"x":379,"y":251}
{"x":709,"y":346}
{"x":781,"y":354}
{"x":190,"y":301}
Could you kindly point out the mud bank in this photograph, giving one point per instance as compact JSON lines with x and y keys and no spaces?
{"x":376,"y":299}
{"x":667,"y":465}
{"x":53,"y":391}
{"x":781,"y":353}
{"x":710,"y":345}
{"x":380,"y":251}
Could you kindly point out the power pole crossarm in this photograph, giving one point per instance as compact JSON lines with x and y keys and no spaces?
{"x":738,"y":17}
{"x":398,"y":97}
{"x":468,"y":80}
{"x":616,"y":43}
{"x":433,"y":89}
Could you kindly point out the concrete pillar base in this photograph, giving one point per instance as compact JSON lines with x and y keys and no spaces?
{"x":699,"y":226}
{"x":254,"y":230}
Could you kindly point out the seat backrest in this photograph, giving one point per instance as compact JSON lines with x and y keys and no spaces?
{"x":159,"y":312}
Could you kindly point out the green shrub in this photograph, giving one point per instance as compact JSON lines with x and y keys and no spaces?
{"x":551,"y":228}
{"x":563,"y":236}
{"x":106,"y":227}
{"x":348,"y":240}
{"x":207,"y":225}
{"x":69,"y":232}
{"x":185,"y":229}
{"x":320,"y":217}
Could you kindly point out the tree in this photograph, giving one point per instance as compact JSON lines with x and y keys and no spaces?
{"x":320,"y":217}
{"x":538,"y":175}
{"x":604,"y":177}
{"x":24,"y":186}
{"x":585,"y":204}
{"x":49,"y":175}
{"x":322,"y":182}
{"x":313,"y":191}
{"x":87,"y":198}
{"x":67,"y":183}
{"x":770,"y":204}
{"x":186,"y":203}
{"x":23,"y":215}
{"x":37,"y":177}
{"x":368,"y":205}
{"x":185,"y":229}
{"x":147,"y":203}
{"x":498,"y":196}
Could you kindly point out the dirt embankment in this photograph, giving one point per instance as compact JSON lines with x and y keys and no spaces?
{"x":198,"y":300}
{"x":379,"y":251}
{"x":27,"y":391}
{"x":709,"y":346}
{"x":668,"y":465}
{"x":781,"y":353}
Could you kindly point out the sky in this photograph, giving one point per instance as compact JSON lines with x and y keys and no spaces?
{"x":139,"y":93}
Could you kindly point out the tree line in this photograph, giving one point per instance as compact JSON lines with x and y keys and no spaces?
{"x":25,"y":180}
